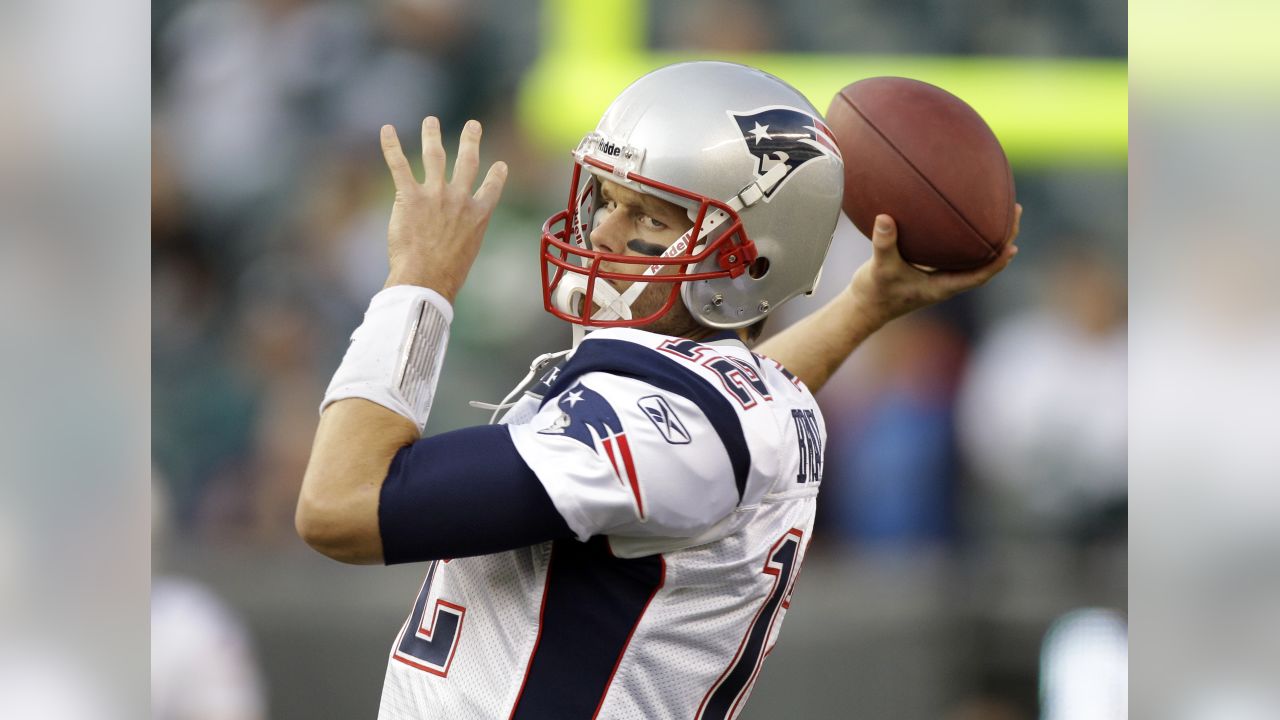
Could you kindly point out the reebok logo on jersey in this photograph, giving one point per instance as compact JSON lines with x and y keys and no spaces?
{"x":664,"y":418}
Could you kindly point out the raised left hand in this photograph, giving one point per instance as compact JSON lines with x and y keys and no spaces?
{"x":437,"y":224}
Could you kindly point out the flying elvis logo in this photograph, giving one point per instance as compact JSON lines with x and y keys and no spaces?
{"x":785,"y":135}
{"x":664,"y":418}
{"x":588,"y":418}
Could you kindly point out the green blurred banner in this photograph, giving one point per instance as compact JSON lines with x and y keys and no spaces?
{"x":1046,"y":111}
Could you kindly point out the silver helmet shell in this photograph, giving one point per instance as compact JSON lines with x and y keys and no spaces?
{"x":714,"y":130}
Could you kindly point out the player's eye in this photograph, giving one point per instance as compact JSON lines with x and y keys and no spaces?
{"x":652,"y":223}
{"x":609,"y":206}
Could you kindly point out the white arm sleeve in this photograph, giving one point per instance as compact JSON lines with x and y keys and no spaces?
{"x":620,"y":457}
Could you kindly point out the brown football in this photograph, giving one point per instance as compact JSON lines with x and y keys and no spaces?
{"x":923,"y":156}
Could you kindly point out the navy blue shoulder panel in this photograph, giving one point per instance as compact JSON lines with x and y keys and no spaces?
{"x":627,"y":359}
{"x":461,"y":493}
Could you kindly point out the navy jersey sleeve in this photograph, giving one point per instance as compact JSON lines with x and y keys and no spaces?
{"x":461,"y":493}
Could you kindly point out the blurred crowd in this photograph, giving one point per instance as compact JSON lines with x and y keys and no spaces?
{"x":993,"y":424}
{"x":269,"y":212}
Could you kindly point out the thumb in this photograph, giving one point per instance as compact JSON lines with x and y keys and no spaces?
{"x":884,"y":238}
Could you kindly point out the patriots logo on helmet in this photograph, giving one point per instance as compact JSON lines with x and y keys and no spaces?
{"x":784,"y":135}
{"x":588,"y":418}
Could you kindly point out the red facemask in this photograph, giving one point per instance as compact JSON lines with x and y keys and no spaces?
{"x":572,"y":274}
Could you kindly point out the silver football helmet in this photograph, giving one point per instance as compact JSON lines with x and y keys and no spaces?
{"x":751,"y":161}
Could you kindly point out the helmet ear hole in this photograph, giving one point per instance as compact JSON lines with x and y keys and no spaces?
{"x":758,"y":268}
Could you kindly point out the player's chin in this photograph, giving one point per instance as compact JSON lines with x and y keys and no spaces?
{"x":618,"y":285}
{"x":652,"y":303}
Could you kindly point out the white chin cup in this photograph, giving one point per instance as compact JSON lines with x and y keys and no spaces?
{"x":572,"y":289}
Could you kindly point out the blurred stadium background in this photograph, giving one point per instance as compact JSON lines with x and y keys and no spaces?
{"x":976,"y":481}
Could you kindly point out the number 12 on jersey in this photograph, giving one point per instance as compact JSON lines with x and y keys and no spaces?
{"x":726,"y":696}
{"x":428,"y":642}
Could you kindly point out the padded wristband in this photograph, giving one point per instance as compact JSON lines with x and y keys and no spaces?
{"x":395,"y":356}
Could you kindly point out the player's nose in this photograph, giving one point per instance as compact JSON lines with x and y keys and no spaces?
{"x":607,"y":235}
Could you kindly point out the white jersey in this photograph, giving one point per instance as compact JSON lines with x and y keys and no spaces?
{"x":689,"y":473}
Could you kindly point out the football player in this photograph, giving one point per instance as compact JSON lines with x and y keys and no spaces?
{"x":623,"y":542}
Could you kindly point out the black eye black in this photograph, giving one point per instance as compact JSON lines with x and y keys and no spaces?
{"x":645,"y":248}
